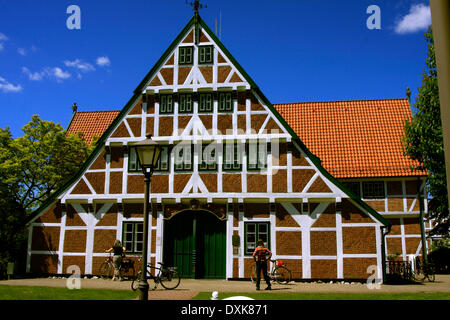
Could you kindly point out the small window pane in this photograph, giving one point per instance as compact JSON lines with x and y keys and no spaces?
{"x":373,"y":190}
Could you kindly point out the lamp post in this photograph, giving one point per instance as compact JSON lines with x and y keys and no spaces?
{"x":148,"y":152}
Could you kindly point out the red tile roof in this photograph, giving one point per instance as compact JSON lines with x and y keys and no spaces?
{"x":92,"y":123}
{"x":354,"y":139}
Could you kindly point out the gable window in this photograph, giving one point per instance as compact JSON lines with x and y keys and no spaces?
{"x":205,"y":54}
{"x":133,"y":236}
{"x":373,"y":190}
{"x":253,"y":232}
{"x":257,"y":155}
{"x":183,"y":157}
{"x":165,"y":104}
{"x":207,"y":157}
{"x":232,"y":157}
{"x":163,"y":162}
{"x":205,"y":102}
{"x":185,"y":103}
{"x":225,"y":102}
{"x":185,"y":55}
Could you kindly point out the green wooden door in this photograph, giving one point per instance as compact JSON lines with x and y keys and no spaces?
{"x":194,"y":242}
{"x":211,"y":251}
{"x":179,"y":244}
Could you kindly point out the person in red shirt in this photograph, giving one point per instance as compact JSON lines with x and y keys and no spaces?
{"x":261,"y":255}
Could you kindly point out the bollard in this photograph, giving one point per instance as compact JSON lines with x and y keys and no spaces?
{"x":10,"y":270}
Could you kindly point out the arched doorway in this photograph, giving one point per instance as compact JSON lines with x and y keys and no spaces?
{"x":195,"y":243}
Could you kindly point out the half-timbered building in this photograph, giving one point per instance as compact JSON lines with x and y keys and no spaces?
{"x":234,"y":169}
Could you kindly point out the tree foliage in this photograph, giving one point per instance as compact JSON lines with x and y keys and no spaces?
{"x":423,"y":142}
{"x":31,"y":168}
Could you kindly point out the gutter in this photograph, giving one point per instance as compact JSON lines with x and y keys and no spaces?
{"x":383,"y":249}
{"x":422,"y":226}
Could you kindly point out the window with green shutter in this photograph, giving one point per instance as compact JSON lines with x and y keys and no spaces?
{"x":225,"y":102}
{"x":165,"y":104}
{"x":205,"y":103}
{"x":185,"y":103}
{"x":185,"y":55}
{"x":255,"y":231}
{"x":257,"y":154}
{"x":133,"y":236}
{"x":205,"y":54}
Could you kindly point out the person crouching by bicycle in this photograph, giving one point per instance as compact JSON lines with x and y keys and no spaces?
{"x":261,"y":255}
{"x":119,"y":252}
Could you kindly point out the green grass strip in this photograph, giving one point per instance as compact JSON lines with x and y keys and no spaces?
{"x":51,"y":293}
{"x":330,"y":296}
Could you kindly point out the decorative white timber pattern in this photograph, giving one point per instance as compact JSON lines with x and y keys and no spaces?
{"x":107,"y":179}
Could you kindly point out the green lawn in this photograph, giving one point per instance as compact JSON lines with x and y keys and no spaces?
{"x":50,"y":293}
{"x":329,"y":296}
{"x":47,"y":293}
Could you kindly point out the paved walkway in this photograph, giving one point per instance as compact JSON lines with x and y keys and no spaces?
{"x":189,"y":288}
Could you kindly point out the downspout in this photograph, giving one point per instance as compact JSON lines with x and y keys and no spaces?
{"x":383,"y":249}
{"x":422,"y":227}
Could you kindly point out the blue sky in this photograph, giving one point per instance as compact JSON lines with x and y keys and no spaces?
{"x":295,"y":50}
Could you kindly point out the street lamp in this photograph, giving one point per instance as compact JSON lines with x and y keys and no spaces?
{"x":148,"y":152}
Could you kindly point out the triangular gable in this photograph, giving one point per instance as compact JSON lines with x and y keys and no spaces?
{"x":230,"y":73}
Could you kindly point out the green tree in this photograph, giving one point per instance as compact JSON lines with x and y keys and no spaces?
{"x":31,"y":168}
{"x":423,"y":142}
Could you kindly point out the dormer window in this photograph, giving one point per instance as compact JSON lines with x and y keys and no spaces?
{"x":205,"y":54}
{"x":186,"y":55}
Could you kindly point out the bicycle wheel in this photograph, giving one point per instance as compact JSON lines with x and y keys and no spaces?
{"x":282,"y":275}
{"x":135,"y":282}
{"x":106,"y":270}
{"x":170,"y":279}
{"x":253,"y":275}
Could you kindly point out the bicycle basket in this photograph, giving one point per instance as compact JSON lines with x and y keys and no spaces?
{"x":280,"y":263}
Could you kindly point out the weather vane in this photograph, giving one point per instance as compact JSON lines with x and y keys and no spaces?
{"x":196,"y":5}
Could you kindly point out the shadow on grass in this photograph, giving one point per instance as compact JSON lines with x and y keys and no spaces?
{"x":51,"y":293}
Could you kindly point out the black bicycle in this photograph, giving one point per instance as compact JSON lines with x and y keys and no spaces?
{"x":167,"y":276}
{"x":424,"y":271}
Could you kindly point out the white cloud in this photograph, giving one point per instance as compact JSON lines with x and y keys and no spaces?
{"x":6,"y":87}
{"x":3,"y":38}
{"x":49,"y":72}
{"x":33,"y":76}
{"x":103,"y":61}
{"x":58,"y":73}
{"x":418,"y":18}
{"x":79,"y":64}
{"x":22,"y":51}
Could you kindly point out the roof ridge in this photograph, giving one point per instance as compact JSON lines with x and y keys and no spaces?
{"x":97,"y":111}
{"x":329,"y":101}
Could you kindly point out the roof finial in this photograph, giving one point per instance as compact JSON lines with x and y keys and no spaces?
{"x":74,"y":107}
{"x":408,"y":94}
{"x":196,"y":5}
